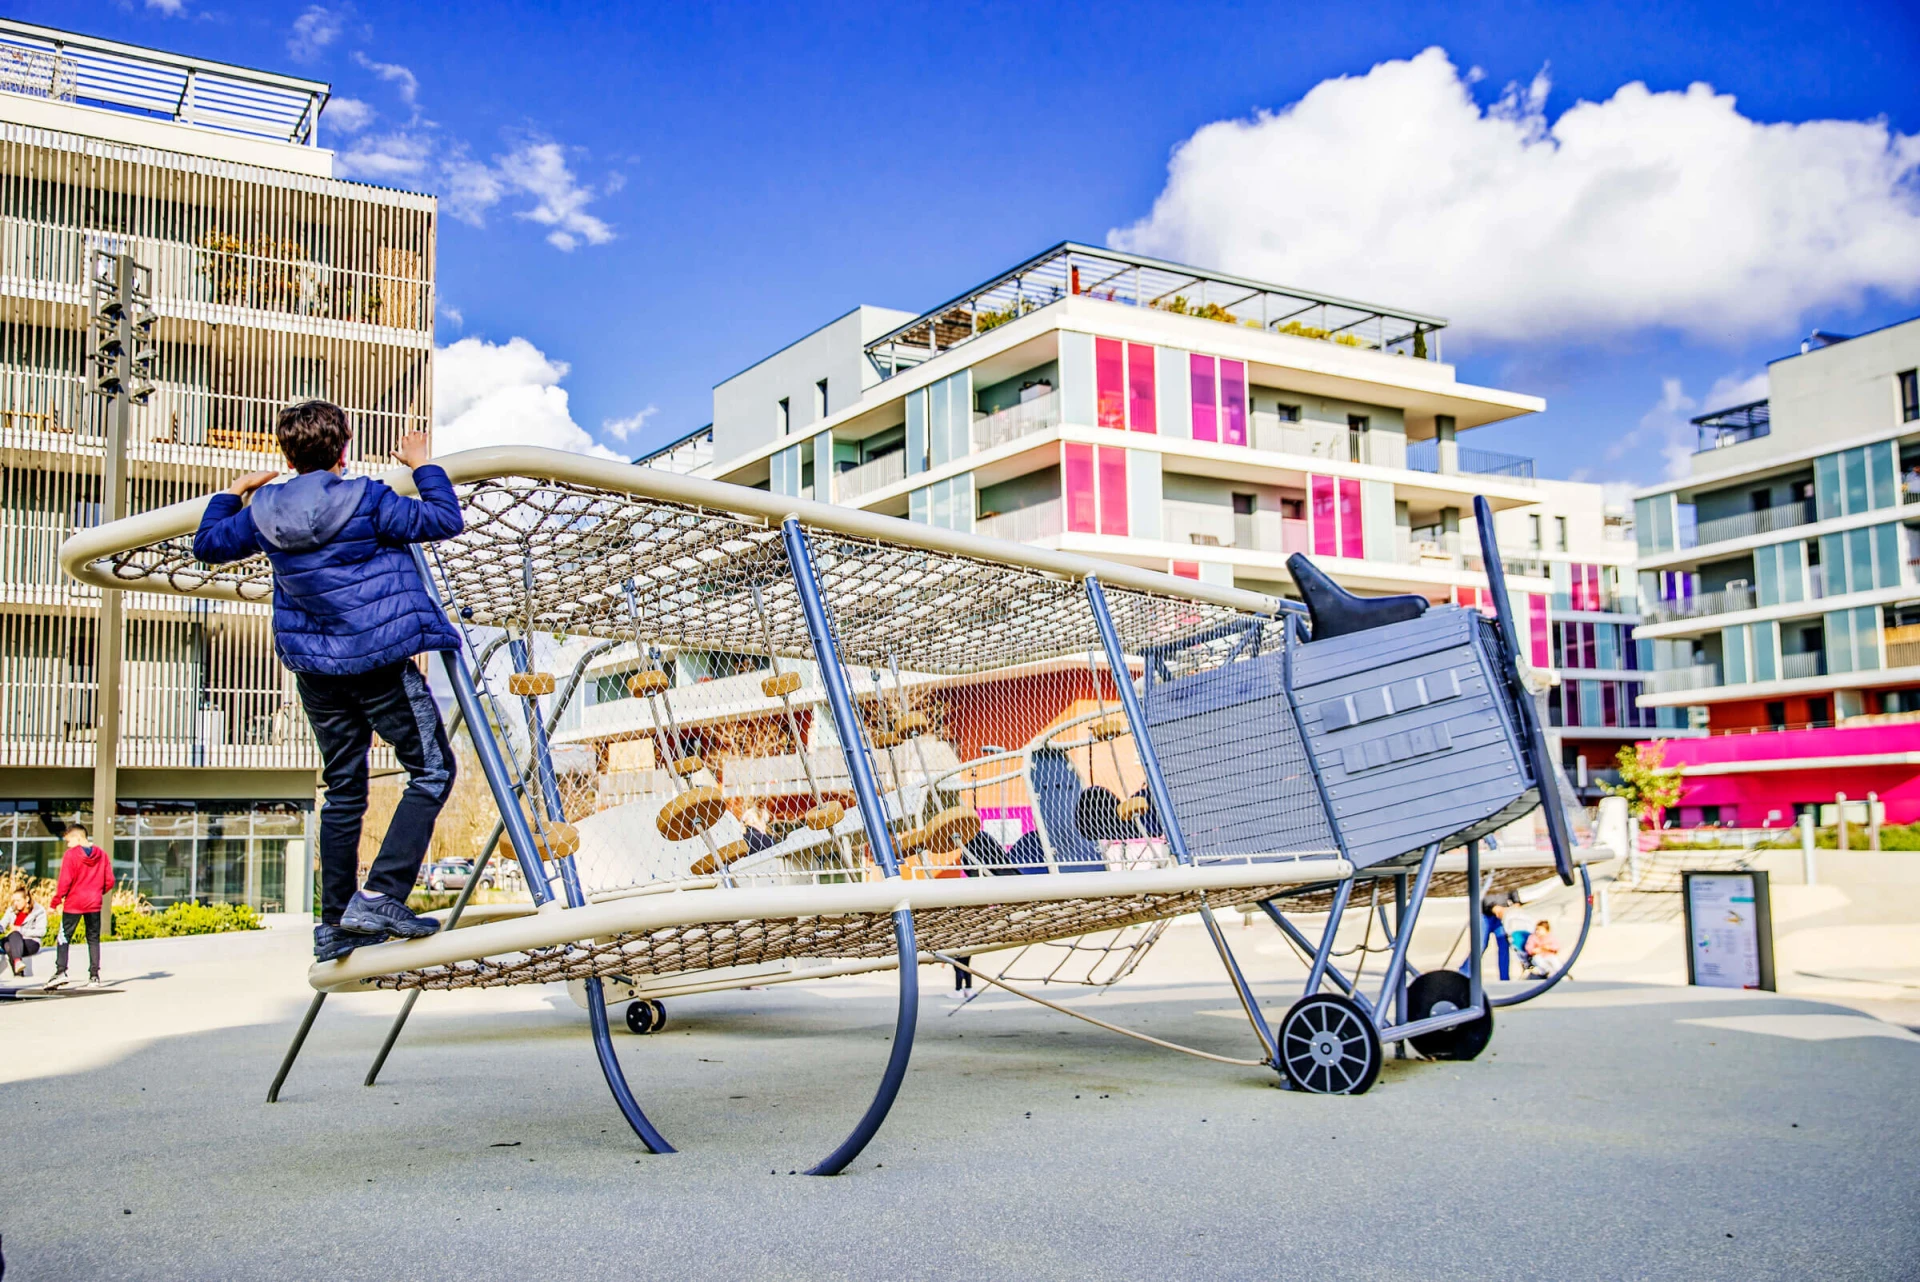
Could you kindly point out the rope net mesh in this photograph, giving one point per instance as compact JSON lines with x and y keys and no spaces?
{"x":700,"y":752}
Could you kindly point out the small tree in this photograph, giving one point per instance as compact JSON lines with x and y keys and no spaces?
{"x":1646,"y":781}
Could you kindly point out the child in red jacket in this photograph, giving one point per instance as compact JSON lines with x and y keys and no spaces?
{"x":86,"y":881}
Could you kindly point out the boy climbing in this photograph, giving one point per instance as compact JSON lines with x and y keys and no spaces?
{"x":349,"y":613}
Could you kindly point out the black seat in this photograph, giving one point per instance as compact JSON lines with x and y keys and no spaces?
{"x":1337,"y":612}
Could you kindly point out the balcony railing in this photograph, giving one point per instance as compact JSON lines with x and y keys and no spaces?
{"x":1725,"y":601}
{"x":874,"y":474}
{"x":1069,"y":270}
{"x":1026,"y":525}
{"x":1424,"y":456}
{"x":1016,"y":421}
{"x":1700,"y":676}
{"x":1604,"y":603}
{"x":1746,"y":524}
{"x":60,"y":66}
{"x":1732,"y":426}
{"x":1810,"y":663}
{"x":1303,"y":439}
{"x":1903,"y":646}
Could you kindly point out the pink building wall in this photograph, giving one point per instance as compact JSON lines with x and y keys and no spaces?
{"x":1752,"y":795}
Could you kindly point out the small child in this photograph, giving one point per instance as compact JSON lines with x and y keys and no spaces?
{"x":1543,"y":950}
{"x":25,"y":925}
{"x":349,"y":613}
{"x":84,"y":884}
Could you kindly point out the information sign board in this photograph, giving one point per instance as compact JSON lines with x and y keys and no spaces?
{"x":1729,"y":919}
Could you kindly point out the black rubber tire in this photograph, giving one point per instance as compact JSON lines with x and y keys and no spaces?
{"x":659,"y":1015}
{"x":1328,"y":1046}
{"x":1435,"y":993}
{"x":640,"y":1018}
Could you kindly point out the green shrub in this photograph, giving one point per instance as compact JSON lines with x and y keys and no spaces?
{"x":144,"y":922}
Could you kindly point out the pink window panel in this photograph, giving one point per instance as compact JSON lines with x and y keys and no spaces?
{"x":1076,"y":466}
{"x":1141,"y":416}
{"x":1351,"y":543}
{"x":1541,"y":636}
{"x":1110,"y":381}
{"x":1186,"y":569}
{"x":1113,"y":490}
{"x":1593,"y":588}
{"x":1326,"y":538}
{"x":1233,"y":404}
{"x":1205,"y":413}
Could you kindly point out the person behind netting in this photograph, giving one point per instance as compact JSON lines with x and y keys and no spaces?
{"x":1493,"y":930}
{"x":25,"y":926}
{"x":1543,"y":950}
{"x":350,"y":612}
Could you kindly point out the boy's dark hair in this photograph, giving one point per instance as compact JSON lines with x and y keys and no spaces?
{"x":70,"y":829}
{"x":313,"y":435}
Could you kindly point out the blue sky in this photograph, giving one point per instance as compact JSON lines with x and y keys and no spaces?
{"x":655,"y":196}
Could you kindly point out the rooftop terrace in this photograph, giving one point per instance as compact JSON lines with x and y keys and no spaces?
{"x":61,"y":66}
{"x":1073,"y":269}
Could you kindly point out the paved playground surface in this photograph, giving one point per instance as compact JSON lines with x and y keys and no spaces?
{"x":1614,"y":1130}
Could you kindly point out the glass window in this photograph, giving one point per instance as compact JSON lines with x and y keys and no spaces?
{"x":1206,"y":425}
{"x":1609,"y":703}
{"x":1764,"y":667}
{"x":782,"y":417}
{"x":1909,"y":396}
{"x":1839,"y":627}
{"x":1110,"y":382}
{"x":1608,"y":635}
{"x":1859,"y":560}
{"x":1113,"y":490}
{"x":1186,"y":569}
{"x":1570,"y":701}
{"x":1866,"y":638}
{"x":1560,"y":533}
{"x":1733,"y":655}
{"x":1883,"y":463}
{"x":1826,"y":487}
{"x":939,"y":409}
{"x":1140,"y":400}
{"x":1352,"y":532}
{"x":1853,"y":472}
{"x":1077,"y":469}
{"x":1326,"y":538}
{"x":1886,"y":555}
{"x":1233,"y":402}
{"x":916,"y":431}
{"x":1537,"y":629}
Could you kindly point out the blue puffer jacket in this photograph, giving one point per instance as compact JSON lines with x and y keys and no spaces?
{"x":346,"y":595}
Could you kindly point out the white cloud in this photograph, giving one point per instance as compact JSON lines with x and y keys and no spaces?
{"x":504,"y":394}
{"x":1649,"y":209}
{"x":623,"y":429}
{"x":315,"y":29}
{"x":389,"y":157}
{"x":535,"y":167}
{"x":168,"y":8}
{"x":348,"y":115}
{"x":404,"y":82}
{"x":1667,"y":427}
{"x":454,"y":315}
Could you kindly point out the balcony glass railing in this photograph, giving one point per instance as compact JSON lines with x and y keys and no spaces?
{"x":1811,"y":663}
{"x":1724,"y":601}
{"x":1016,"y":421}
{"x":1025,"y":525}
{"x":1424,"y":456}
{"x":874,"y":474}
{"x":1743,"y":525}
{"x":1700,"y":676}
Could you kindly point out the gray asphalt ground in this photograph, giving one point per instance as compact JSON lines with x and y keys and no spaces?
{"x":1615,"y":1131}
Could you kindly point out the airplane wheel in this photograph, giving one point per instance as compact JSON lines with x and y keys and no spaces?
{"x":1328,"y":1046}
{"x":640,"y":1018}
{"x":659,"y":1015}
{"x":1436,"y":993}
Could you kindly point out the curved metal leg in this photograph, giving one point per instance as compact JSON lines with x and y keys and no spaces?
{"x":293,"y":1051}
{"x":1586,"y":924}
{"x":617,"y":1080}
{"x":903,"y":1028}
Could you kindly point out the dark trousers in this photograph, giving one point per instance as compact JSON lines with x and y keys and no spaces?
{"x":68,"y":920}
{"x":18,"y":946}
{"x":345,"y":713}
{"x":1493,"y":931}
{"x":963,"y":978}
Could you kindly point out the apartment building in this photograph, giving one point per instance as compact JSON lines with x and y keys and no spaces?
{"x":272,"y":281}
{"x":1781,"y":599}
{"x":1583,"y":544}
{"x":1188,"y":421}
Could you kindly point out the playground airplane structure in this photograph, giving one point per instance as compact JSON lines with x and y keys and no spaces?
{"x":933,"y":746}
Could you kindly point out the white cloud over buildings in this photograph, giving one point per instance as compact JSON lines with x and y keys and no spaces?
{"x":1667,"y":209}
{"x":504,"y":394}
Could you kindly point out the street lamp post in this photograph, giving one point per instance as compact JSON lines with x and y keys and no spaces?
{"x":119,"y":367}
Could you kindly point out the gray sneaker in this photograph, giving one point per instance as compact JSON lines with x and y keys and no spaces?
{"x":385,"y":916}
{"x":96,"y":982}
{"x":59,"y":980}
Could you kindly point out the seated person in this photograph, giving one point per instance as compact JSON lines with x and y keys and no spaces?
{"x":1543,"y":950}
{"x":25,"y":926}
